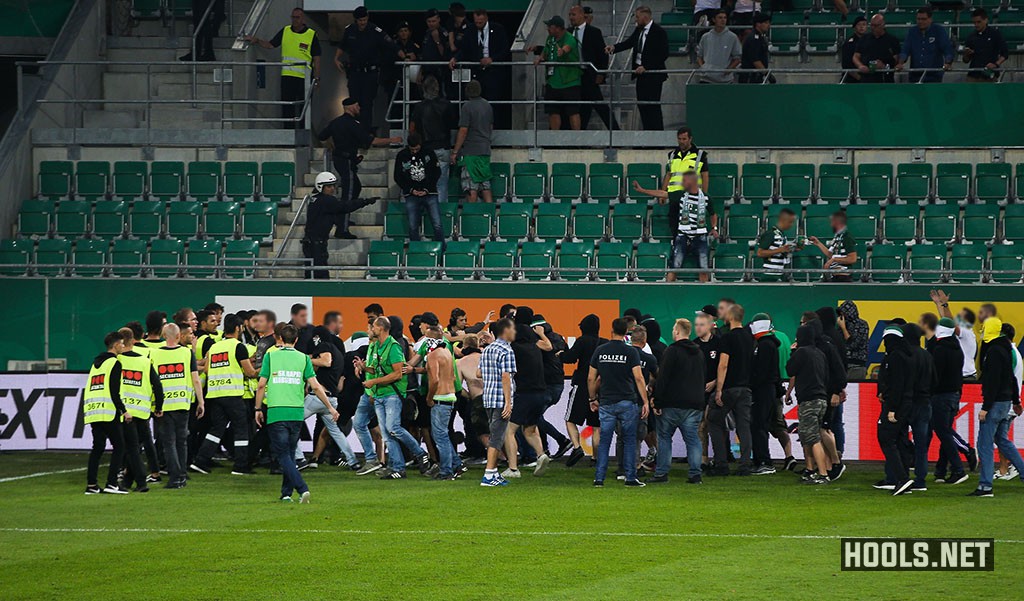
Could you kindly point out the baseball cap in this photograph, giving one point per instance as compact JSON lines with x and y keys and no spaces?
{"x":709,"y":310}
{"x":429,"y":318}
{"x":762,"y":18}
{"x":556,"y":20}
{"x":588,"y":10}
{"x":360,"y":12}
{"x":431,"y":12}
{"x":349,"y":101}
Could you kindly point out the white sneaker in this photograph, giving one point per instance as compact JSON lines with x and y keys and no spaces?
{"x":542,"y":465}
{"x":304,"y":498}
{"x":511,"y":473}
{"x":1011,"y":473}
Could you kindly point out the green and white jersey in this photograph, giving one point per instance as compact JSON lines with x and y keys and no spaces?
{"x":772,"y":239}
{"x":693,"y":213}
{"x":841,"y":246}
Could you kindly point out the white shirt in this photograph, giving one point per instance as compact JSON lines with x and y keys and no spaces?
{"x":1018,"y":366}
{"x":969,"y":345}
{"x":579,"y":32}
{"x":483,"y":37}
{"x":641,"y":43}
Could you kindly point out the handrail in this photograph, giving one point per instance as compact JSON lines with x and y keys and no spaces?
{"x":291,"y":227}
{"x":251,"y":24}
{"x":195,"y":58}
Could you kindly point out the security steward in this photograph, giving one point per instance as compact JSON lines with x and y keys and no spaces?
{"x":102,"y":409}
{"x":685,"y":157}
{"x":326,"y":211}
{"x":227,"y":369}
{"x":175,"y":367}
{"x":347,"y":135}
{"x":140,"y":391}
{"x":301,"y":49}
{"x":363,"y":50}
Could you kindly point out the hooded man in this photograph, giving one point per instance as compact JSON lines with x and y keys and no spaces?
{"x":654,"y":336}
{"x":855,"y":333}
{"x":896,"y":391}
{"x":764,"y":387}
{"x":948,"y":359}
{"x":808,"y":371}
{"x":679,"y":402}
{"x":530,"y":397}
{"x":578,"y":412}
{"x":920,"y":422}
{"x":554,"y":379}
{"x":836,"y":387}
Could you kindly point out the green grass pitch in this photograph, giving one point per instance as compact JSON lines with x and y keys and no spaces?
{"x":555,"y":537}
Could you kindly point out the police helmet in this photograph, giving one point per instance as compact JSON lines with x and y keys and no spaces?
{"x":325,"y":178}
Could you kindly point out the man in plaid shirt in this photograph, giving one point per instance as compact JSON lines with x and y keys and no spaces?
{"x":497,"y":369}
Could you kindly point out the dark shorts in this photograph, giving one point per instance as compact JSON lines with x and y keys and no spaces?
{"x":578,"y":411}
{"x":571,"y":96}
{"x":478,"y":415}
{"x":528,"y":408}
{"x":422,"y":411}
{"x":684,"y":246}
{"x":811,"y":414}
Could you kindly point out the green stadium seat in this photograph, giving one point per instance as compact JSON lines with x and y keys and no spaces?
{"x":862,"y":222}
{"x":835,"y":183}
{"x":757,"y":184}
{"x":529,"y":182}
{"x":422,"y":260}
{"x":614,"y":261}
{"x":36,"y":217}
{"x":661,"y":226}
{"x":1013,"y":223}
{"x":804,"y":262}
{"x":552,"y":221}
{"x":796,"y":182}
{"x":992,"y":182}
{"x":590,"y":221}
{"x":678,"y":40}
{"x":55,"y":179}
{"x":566,"y":182}
{"x":1007,"y":258}
{"x":145,"y":220}
{"x":887,"y":257}
{"x":384,"y":260}
{"x":449,"y":211}
{"x":476,"y":221}
{"x":775,"y":209}
{"x":108,"y":218}
{"x":648,"y":174}
{"x":824,"y":40}
{"x":52,"y":255}
{"x":147,"y":9}
{"x":501,"y":173}
{"x":201,"y":258}
{"x":536,"y":260}
{"x":276,"y":180}
{"x":240,"y":179}
{"x":514,"y":221}
{"x":73,"y":217}
{"x":166,"y":179}
{"x":178,"y":8}
{"x":980,"y":223}
{"x":240,"y":257}
{"x":92,"y":179}
{"x":605,"y":182}
{"x":15,"y":256}
{"x":786,"y":32}
{"x":900,"y":223}
{"x":744,"y":221}
{"x":953,"y":182}
{"x":129,"y":255}
{"x":967,"y":263}
{"x":939,"y":224}
{"x":203,"y":180}
{"x":396,"y":221}
{"x":731,"y":256}
{"x":498,"y":260}
{"x":818,"y":220}
{"x":653,"y":256}
{"x":1011,"y":25}
{"x":628,"y":221}
{"x":927,"y":262}
{"x":221,"y":219}
{"x":258,"y":220}
{"x":129,"y":180}
{"x":460,"y":259}
{"x":722,"y":186}
{"x":899,"y":23}
{"x":575,"y":260}
{"x":874,"y":182}
{"x":913,"y":182}
{"x":183,"y":219}
{"x":89,"y":257}
{"x":165,"y":257}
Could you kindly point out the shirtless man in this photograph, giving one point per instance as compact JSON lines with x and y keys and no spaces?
{"x":441,"y":400}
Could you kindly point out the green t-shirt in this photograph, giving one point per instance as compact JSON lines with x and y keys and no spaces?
{"x":566,"y":76}
{"x":286,"y":372}
{"x":784,"y":352}
{"x":379,"y":359}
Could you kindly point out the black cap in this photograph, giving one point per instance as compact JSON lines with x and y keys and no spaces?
{"x":587,"y":10}
{"x":349,"y":101}
{"x":360,"y":12}
{"x":557,"y":21}
{"x":431,"y":12}
{"x":429,"y":318}
{"x":403,"y":25}
{"x":762,"y":18}
{"x":859,"y":18}
{"x":710,"y":310}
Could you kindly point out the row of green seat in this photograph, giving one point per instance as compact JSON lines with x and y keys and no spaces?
{"x":128,"y":258}
{"x":929,"y":263}
{"x":148,"y":218}
{"x":862,"y":5}
{"x":166,"y":180}
{"x":156,"y":9}
{"x":570,"y":181}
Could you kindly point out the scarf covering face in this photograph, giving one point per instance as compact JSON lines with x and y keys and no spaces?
{"x":946,"y":328}
{"x":991,"y":329}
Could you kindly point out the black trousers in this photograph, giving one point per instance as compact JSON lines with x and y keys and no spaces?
{"x":204,"y":41}
{"x":223,"y":411}
{"x":463,"y":408}
{"x":591,"y":92}
{"x":648,"y":88}
{"x":173,"y":429}
{"x":760,"y":414}
{"x":349,"y":187}
{"x":197,"y":428}
{"x":737,"y":401}
{"x":132,"y":451}
{"x":363,"y":85}
{"x":897,"y":448}
{"x":316,"y":250}
{"x":293,"y":90}
{"x":101,"y":433}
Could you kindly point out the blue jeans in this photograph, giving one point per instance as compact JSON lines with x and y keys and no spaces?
{"x":627,"y":415}
{"x":944,"y":409}
{"x":440,"y":415}
{"x":315,"y":407}
{"x":683,"y":246}
{"x":414,"y":208}
{"x":389,"y":414}
{"x":284,"y":439}
{"x":993,"y":432}
{"x":838,"y":429}
{"x":921,"y":427}
{"x":686,"y":421}
{"x":444,"y":157}
{"x":361,"y":423}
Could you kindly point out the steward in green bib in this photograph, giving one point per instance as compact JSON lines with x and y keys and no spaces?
{"x":175,"y":367}
{"x":102,"y":408}
{"x":284,"y":376}
{"x":140,"y":390}
{"x":228,"y":365}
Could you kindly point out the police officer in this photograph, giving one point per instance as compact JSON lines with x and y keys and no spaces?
{"x":364,"y":49}
{"x":348,"y":134}
{"x":755,"y":50}
{"x":299,"y":47}
{"x":326,"y":211}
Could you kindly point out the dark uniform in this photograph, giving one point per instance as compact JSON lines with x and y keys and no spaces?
{"x":349,"y":135}
{"x":435,"y":51}
{"x":885,"y":48}
{"x":366,"y":52}
{"x":325,"y":211}
{"x":846,"y":53}
{"x":755,"y":49}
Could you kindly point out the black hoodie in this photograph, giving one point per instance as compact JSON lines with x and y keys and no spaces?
{"x":583,"y":349}
{"x":924,"y":368}
{"x":836,"y":381}
{"x":654,"y":337}
{"x":680,"y":382}
{"x":997,"y":381}
{"x":830,"y":328}
{"x":765,"y":371}
{"x":554,"y":371}
{"x":896,"y":377}
{"x":808,"y":365}
{"x":948,"y":359}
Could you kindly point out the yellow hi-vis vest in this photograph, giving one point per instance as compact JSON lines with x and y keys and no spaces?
{"x":174,"y":368}
{"x":225,"y":378}
{"x":97,"y":404}
{"x":296,"y":48}
{"x":136,"y":386}
{"x":198,"y":349}
{"x":251,"y":384}
{"x":679,"y":164}
{"x":141,"y":349}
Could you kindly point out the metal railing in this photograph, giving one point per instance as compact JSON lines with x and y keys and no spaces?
{"x":195,"y":56}
{"x":223,"y":267}
{"x":291,"y":229}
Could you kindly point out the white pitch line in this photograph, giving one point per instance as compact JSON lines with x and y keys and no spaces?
{"x":441,"y":533}
{"x":39,"y":474}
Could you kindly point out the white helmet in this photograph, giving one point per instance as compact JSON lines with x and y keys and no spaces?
{"x":325,"y":178}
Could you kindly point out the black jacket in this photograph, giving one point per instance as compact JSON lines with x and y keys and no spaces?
{"x":433,"y":123}
{"x":836,"y":381}
{"x":655,"y":50}
{"x":583,"y":349}
{"x":948,"y":360}
{"x":830,"y":328}
{"x":896,"y":378}
{"x":997,"y":381}
{"x":592,"y":51}
{"x":115,"y":380}
{"x":924,"y":381}
{"x":419,"y":171}
{"x":554,"y":369}
{"x":765,"y":370}
{"x":808,"y":365}
{"x":498,"y":45}
{"x":680,"y":382}
{"x":323,"y":210}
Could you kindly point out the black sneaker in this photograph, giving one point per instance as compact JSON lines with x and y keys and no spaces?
{"x":432,"y":471}
{"x":195,"y":467}
{"x":972,"y":459}
{"x":276,"y":470}
{"x":977,"y":492}
{"x":424,"y":463}
{"x":243,"y":472}
{"x":715,"y":470}
{"x":93,"y":489}
{"x":915,"y":487}
{"x":816,"y":478}
{"x":883,"y":485}
{"x":902,"y":488}
{"x":957,"y":478}
{"x":392,"y":475}
{"x":355,"y":466}
{"x":175,"y":485}
{"x":635,"y":484}
{"x":563,"y":448}
{"x":791,"y":463}
{"x":142,"y":488}
{"x":694,"y":480}
{"x":837,"y":471}
{"x":153,"y":478}
{"x":657,"y":479}
{"x":806,"y":475}
{"x":598,"y":483}
{"x":438,"y":476}
{"x":940,"y":479}
{"x":302,"y":464}
{"x":186,"y":59}
{"x":462,"y":470}
{"x":575,"y":457}
{"x":113,"y":489}
{"x":744,"y":471}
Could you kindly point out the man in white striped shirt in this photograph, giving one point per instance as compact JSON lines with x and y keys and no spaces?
{"x":774,"y":247}
{"x":696,"y":213}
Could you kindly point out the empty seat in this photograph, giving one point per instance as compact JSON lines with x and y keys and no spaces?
{"x":36,"y":217}
{"x":536,"y":260}
{"x":422,"y":260}
{"x":552,"y":221}
{"x":628,"y":221}
{"x":529,"y":182}
{"x":605,"y":181}
{"x":823,"y":40}
{"x":165,"y":179}
{"x":647,"y":174}
{"x":980,"y":223}
{"x":145,"y":220}
{"x":803,"y":266}
{"x":992,"y":182}
{"x":203,"y":180}
{"x":129,"y":179}
{"x":939,"y":224}
{"x":744,"y":221}
{"x":927,"y":262}
{"x":147,"y":9}
{"x":722,"y":186}
{"x":899,"y":22}
{"x":566,"y":182}
{"x":733,"y":257}
{"x":786,"y":32}
{"x":221,"y":219}
{"x":396,"y":221}
{"x":202,"y":257}
{"x":55,"y":179}
{"x":757,"y":184}
{"x":913,"y":182}
{"x":1008,"y":259}
{"x":240,"y":179}
{"x":514,"y":221}
{"x":887,"y":262}
{"x":449,"y":211}
{"x":108,"y":218}
{"x":259,"y":219}
{"x":15,"y":256}
{"x":835,"y":183}
{"x":590,"y":220}
{"x":1013,"y":223}
{"x":127,"y":257}
{"x":476,"y":220}
{"x":183,"y":219}
{"x":796,"y":182}
{"x":862,"y":222}
{"x":952,"y":182}
{"x":501,"y":173}
{"x":874,"y":182}
{"x":652,"y":260}
{"x":73,"y":217}
{"x":967,"y":263}
{"x":614,"y":261}
{"x":165,"y":257}
{"x":661,"y":225}
{"x":575,"y":260}
{"x":818,"y":220}
{"x":52,"y":256}
{"x":460,"y":259}
{"x":92,"y":179}
{"x":240,"y":258}
{"x":900,"y":223}
{"x":276,"y":180}
{"x":384,"y":259}
{"x":498,"y":260}
{"x":89,"y":257}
